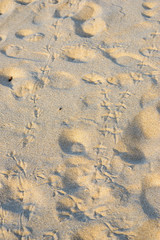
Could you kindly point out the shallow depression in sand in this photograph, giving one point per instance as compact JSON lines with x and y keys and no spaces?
{"x":29,"y":35}
{"x":93,"y":78}
{"x":11,"y":73}
{"x":12,"y":50}
{"x":150,"y":95}
{"x":75,"y":177}
{"x":64,"y":206}
{"x":125,"y":79}
{"x":150,"y":198}
{"x":24,"y":32}
{"x":78,"y":161}
{"x":61,"y":80}
{"x":43,"y":17}
{"x":17,"y":79}
{"x":73,"y":141}
{"x":65,"y":10}
{"x":93,"y":26}
{"x":79,"y":53}
{"x":24,"y":2}
{"x":150,"y":52}
{"x":25,"y":88}
{"x":89,"y":10}
{"x":77,"y":140}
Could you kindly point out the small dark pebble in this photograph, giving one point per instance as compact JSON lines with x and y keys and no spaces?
{"x":10,"y":79}
{"x":60,"y":108}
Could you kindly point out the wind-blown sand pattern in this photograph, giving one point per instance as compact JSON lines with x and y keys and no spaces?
{"x":79,"y":120}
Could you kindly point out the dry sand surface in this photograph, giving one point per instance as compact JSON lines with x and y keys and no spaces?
{"x":79,"y":120}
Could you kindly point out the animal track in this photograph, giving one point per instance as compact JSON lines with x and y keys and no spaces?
{"x":28,"y":139}
{"x":37,"y":112}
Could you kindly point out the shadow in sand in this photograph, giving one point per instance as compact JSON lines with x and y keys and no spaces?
{"x":137,"y":157}
{"x":78,"y":29}
{"x":149,"y":210}
{"x":6,"y":81}
{"x":13,"y":206}
{"x":69,"y":147}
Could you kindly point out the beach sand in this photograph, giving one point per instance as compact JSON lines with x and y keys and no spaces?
{"x":79,"y":120}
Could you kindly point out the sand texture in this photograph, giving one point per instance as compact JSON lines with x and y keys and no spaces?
{"x":79,"y":120}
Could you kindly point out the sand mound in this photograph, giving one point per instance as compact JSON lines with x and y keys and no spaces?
{"x":5,"y":6}
{"x":149,"y":230}
{"x":92,"y":231}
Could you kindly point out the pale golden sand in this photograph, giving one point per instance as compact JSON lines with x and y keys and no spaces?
{"x":80,"y":120}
